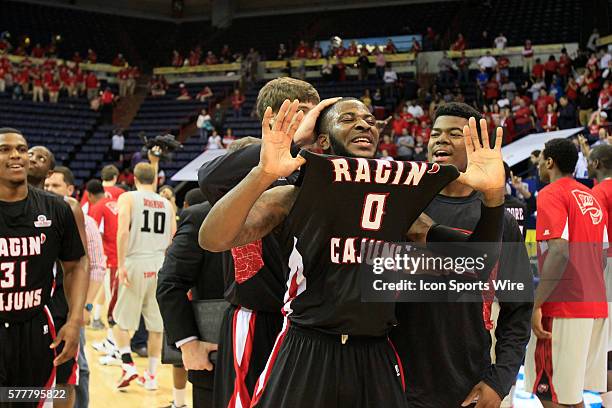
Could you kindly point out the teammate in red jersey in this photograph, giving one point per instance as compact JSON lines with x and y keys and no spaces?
{"x":109,"y":176}
{"x":567,"y":350}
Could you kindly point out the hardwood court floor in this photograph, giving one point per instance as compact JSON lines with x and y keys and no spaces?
{"x":102,"y":379}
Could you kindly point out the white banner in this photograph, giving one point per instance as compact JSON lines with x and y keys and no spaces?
{"x":520,"y":150}
{"x":190,"y":171}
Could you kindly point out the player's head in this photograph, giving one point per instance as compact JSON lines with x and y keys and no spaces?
{"x":347,"y":128}
{"x":599,"y":162}
{"x":109,"y":174}
{"x":14,"y":161}
{"x":559,"y":157}
{"x":95,"y":191}
{"x":60,"y":182}
{"x":167,"y":192}
{"x":42,"y":162}
{"x":144,"y":174}
{"x":446,"y":143}
{"x":193,"y":197}
{"x":275,"y":92}
{"x":242,"y":143}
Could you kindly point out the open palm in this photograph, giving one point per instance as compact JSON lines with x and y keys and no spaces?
{"x":275,"y":158}
{"x":485,"y":169}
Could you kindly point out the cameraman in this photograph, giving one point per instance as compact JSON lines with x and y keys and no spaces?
{"x":189,"y":267}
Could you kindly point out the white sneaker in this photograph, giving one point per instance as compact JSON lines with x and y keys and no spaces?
{"x":148,"y":381}
{"x":112,"y":359}
{"x":104,"y":347}
{"x":128,"y":374}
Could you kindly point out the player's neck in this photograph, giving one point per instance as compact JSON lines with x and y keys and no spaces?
{"x":108,"y":183}
{"x":10,"y":192}
{"x":604,"y":175}
{"x":555,"y":176}
{"x":38,"y":183}
{"x":456,"y":189}
{"x":145,"y":187}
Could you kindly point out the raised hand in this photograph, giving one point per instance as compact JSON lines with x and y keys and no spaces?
{"x":485,"y":169}
{"x":305,"y":133}
{"x":275,"y":159}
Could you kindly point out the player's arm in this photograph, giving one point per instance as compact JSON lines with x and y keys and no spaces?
{"x":552,"y":271}
{"x":154,"y":154}
{"x":124,"y":204}
{"x":76,"y":280}
{"x":246,"y":214}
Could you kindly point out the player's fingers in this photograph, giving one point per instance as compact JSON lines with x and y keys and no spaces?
{"x":484,"y":133}
{"x":265,"y":123}
{"x":280,"y":116}
{"x":474,"y":133}
{"x":469,"y":145}
{"x":58,"y":339}
{"x":290,"y":117}
{"x":470,"y":398}
{"x":499,"y":137}
{"x":299,"y":161}
{"x":325,"y":103}
{"x":295,"y":124}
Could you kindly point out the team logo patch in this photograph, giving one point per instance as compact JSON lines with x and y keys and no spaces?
{"x":45,"y":329}
{"x":542,"y":388}
{"x":247,"y":260}
{"x":43,"y":238}
{"x":42,"y":222}
{"x":588,"y":204}
{"x":435,"y":167}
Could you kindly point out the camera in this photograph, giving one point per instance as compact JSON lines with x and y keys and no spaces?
{"x":167,"y":143}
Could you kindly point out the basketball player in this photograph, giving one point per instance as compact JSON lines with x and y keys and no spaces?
{"x":37,"y":228}
{"x":567,"y":350}
{"x":61,"y":182}
{"x":255,"y":302}
{"x":109,"y":175}
{"x":332,"y":340}
{"x":599,"y":165}
{"x":146,"y":225}
{"x":459,"y":348}
{"x":42,"y":164}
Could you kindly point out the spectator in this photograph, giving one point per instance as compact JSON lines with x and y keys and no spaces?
{"x":388,"y":145}
{"x":503,"y":68}
{"x":420,"y":149}
{"x":177,"y":59}
{"x":76,"y":58}
{"x":506,"y":122}
{"x":133,"y":75}
{"x":390,"y":48}
{"x":377,"y":99}
{"x":340,"y":70}
{"x":228,"y":138}
{"x":38,"y":51}
{"x":522,"y":118}
{"x":92,"y":57}
{"x":446,"y":68}
{"x":508,"y":88}
{"x":415,"y":109}
{"x":459,"y":44}
{"x":126,"y":178}
{"x":302,"y":50}
{"x":389,"y":78}
{"x":194,"y":58}
{"x":548,"y":122}
{"x":429,"y":39}
{"x":204,"y":94}
{"x":214,"y":141}
{"x":488,"y":62}
{"x":119,"y":61}
{"x":405,"y":146}
{"x":551,"y":68}
{"x":122,"y":77}
{"x":384,"y":155}
{"x":565,"y":65}
{"x":542,"y":102}
{"x":598,"y":120}
{"x":567,"y":114}
{"x":91,"y":83}
{"x":211,"y":59}
{"x":53,"y":88}
{"x":500,"y":41}
{"x":204,"y":124}
{"x":183,"y":93}
{"x":4,"y":73}
{"x":158,"y":86}
{"x":592,"y":42}
{"x":367,"y":100}
{"x":482,"y":78}
{"x":415,"y":47}
{"x":106,"y":105}
{"x":316,"y":51}
{"x":37,"y":89}
{"x":380,"y":63}
{"x":225,"y":56}
{"x":571,"y":90}
{"x":327,"y":70}
{"x":398,"y":125}
{"x":464,"y":68}
{"x":363,"y":65}
{"x":281,"y":54}
{"x":603,"y":137}
{"x":538,"y":70}
{"x":491,"y":90}
{"x":218,"y":116}
{"x":301,"y":71}
{"x":237,"y":102}
{"x":585,"y":105}
{"x":117,"y":145}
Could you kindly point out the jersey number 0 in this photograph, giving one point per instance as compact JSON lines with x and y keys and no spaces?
{"x":373,"y":211}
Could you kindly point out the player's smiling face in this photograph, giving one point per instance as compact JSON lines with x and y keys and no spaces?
{"x":353,"y":130}
{"x":446,"y":144}
{"x":40,"y":162}
{"x":14,"y":162}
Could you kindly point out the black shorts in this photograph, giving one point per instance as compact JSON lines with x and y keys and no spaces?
{"x":308,"y":368}
{"x":252,"y":335}
{"x":67,"y":373}
{"x":25,"y":357}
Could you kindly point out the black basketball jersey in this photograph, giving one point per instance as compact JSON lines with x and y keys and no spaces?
{"x":344,"y":204}
{"x":34,"y":233}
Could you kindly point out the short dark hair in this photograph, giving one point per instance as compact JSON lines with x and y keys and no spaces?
{"x":459,"y":109}
{"x":6,"y":130}
{"x":67,"y":173}
{"x":51,"y":155}
{"x":603,"y":153}
{"x":536,"y":153}
{"x":322,"y":125}
{"x":109,"y":172}
{"x":275,"y":92}
{"x":563,"y":152}
{"x":194,"y":196}
{"x":94,"y":187}
{"x":167,"y":187}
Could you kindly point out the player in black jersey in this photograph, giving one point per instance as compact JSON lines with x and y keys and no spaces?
{"x":459,"y":349}
{"x":310,"y":366}
{"x":42,"y":165}
{"x":36,"y":229}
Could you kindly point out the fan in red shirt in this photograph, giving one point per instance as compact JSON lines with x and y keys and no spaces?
{"x":211,"y":59}
{"x":177,"y":59}
{"x":302,"y":50}
{"x":542,"y":102}
{"x":538,"y":69}
{"x":388,"y":145}
{"x":398,"y":125}
{"x":567,"y":351}
{"x":548,"y":122}
{"x":492,"y":90}
{"x":38,"y":51}
{"x":551,"y":68}
{"x":119,"y":61}
{"x":459,"y":44}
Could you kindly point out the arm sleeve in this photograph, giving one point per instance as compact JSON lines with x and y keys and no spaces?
{"x":182,"y":265}
{"x":514,"y":321}
{"x":223,"y":173}
{"x":95,"y":249}
{"x":72,"y":247}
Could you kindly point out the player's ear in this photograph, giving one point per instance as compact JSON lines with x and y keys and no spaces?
{"x":324,"y":142}
{"x":70,"y":190}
